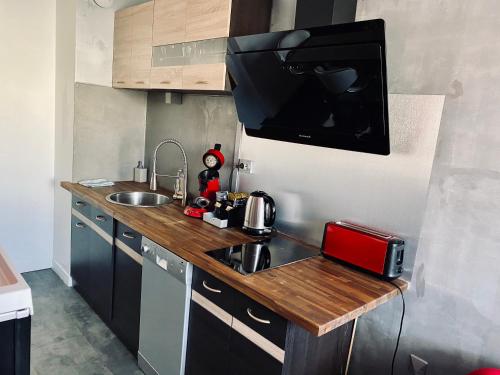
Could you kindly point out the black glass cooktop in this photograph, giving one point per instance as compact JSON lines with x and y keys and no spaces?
{"x":261,"y":255}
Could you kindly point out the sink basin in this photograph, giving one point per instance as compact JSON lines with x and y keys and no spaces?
{"x":138,"y":199}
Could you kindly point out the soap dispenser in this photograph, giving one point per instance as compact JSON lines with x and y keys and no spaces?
{"x":140,"y":173}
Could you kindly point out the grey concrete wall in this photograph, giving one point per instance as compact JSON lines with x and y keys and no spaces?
{"x":109,"y":132}
{"x":447,"y":47}
{"x":198,"y":123}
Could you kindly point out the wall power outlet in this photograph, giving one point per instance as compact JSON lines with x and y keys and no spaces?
{"x":418,"y":365}
{"x":246,"y":166}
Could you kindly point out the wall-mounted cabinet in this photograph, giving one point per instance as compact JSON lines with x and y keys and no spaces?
{"x":132,"y":46}
{"x":181,"y":44}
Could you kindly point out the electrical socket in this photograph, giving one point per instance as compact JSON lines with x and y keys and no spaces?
{"x":418,"y":365}
{"x":246,"y":166}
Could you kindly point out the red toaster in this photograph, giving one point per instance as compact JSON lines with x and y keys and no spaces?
{"x":364,"y":248}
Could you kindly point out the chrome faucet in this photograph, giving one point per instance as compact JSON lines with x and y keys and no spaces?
{"x":183,"y":176}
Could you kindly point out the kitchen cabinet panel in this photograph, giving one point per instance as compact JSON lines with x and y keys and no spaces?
{"x":207,"y":357}
{"x":132,"y":46}
{"x":101,"y":276}
{"x":127,"y":300}
{"x":169,"y":25}
{"x":81,"y":206}
{"x":207,"y":19}
{"x":246,"y":358}
{"x":204,"y":77}
{"x":80,"y":246}
{"x":166,"y":77}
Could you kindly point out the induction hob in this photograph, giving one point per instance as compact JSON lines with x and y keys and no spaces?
{"x":261,"y":255}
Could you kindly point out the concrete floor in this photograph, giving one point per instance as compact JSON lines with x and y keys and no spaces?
{"x":67,"y":337}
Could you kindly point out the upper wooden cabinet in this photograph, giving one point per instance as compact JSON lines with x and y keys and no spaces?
{"x":177,"y":21}
{"x":133,"y":46}
{"x":180,"y":44}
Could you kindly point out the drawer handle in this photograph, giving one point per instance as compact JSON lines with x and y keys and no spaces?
{"x":210,"y":289}
{"x":141,"y":82}
{"x":80,"y":204}
{"x":128,"y":235}
{"x":201,"y":82}
{"x":165,"y":82}
{"x":80,"y":225}
{"x":251,"y":315}
{"x":100,"y":218}
{"x":120,"y":81}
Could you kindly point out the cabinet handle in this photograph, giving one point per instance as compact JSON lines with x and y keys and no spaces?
{"x":251,"y":315}
{"x":210,"y":289}
{"x":100,"y":218}
{"x":128,"y":235}
{"x":80,"y":225}
{"x":165,"y":82}
{"x":120,"y":81}
{"x":201,"y":83}
{"x":139,"y":82}
{"x":80,"y":204}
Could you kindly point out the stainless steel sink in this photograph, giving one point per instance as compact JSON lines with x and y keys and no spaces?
{"x":138,"y":199}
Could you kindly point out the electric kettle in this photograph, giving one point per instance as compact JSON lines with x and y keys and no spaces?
{"x":260,"y":213}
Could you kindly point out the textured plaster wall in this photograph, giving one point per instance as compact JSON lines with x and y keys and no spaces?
{"x":109,"y":132}
{"x":199,"y":123}
{"x":447,"y":47}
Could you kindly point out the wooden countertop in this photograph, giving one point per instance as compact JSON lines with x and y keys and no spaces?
{"x":317,"y":294}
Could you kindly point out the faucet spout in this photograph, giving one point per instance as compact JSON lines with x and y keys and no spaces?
{"x":154,"y":174}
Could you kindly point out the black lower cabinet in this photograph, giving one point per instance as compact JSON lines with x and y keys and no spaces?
{"x":246,"y":358}
{"x":208,"y":343}
{"x":101,"y":276}
{"x":80,"y":253}
{"x":127,"y":300}
{"x":15,"y":342}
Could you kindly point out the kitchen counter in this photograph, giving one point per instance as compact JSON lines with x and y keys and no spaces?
{"x":317,"y":294}
{"x":15,"y":294}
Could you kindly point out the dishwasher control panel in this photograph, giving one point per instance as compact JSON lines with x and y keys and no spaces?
{"x":165,"y":259}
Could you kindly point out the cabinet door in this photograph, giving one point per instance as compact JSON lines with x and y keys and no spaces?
{"x":246,"y":358}
{"x":80,"y":256}
{"x":127,"y":300}
{"x":141,"y":48}
{"x":101,"y":275}
{"x":169,"y":25}
{"x":122,"y":48}
{"x":204,"y":77}
{"x":208,"y":343}
{"x":207,"y":19}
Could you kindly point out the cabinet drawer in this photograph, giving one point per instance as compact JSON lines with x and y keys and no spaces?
{"x":81,"y":206}
{"x":129,"y":237}
{"x":102,"y":220}
{"x":213,"y":289}
{"x":204,"y":77}
{"x":262,"y":320}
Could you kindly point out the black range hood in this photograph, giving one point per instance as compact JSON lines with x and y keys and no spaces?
{"x":323,"y":86}
{"x":314,"y":13}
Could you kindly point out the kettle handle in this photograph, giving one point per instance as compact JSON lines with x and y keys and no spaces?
{"x":269,"y":220}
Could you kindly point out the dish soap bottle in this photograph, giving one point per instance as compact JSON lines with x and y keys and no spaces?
{"x":140,"y":173}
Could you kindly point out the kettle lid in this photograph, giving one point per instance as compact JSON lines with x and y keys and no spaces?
{"x":258,"y":194}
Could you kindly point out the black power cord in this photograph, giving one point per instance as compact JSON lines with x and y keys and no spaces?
{"x":400,"y":327}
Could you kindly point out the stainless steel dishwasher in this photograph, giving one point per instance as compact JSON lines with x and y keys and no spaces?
{"x":166,"y":294}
